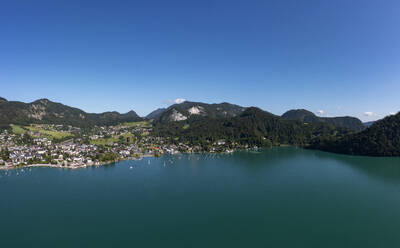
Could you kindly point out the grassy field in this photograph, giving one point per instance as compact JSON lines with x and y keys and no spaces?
{"x":56,"y":135}
{"x":111,"y":140}
{"x":49,"y":134}
{"x":17,"y":129}
{"x":137,"y":124}
{"x":103,"y":141}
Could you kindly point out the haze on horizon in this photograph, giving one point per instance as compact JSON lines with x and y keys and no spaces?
{"x":334,"y":58}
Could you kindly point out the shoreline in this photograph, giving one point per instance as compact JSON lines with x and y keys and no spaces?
{"x":74,"y":167}
{"x":5,"y":168}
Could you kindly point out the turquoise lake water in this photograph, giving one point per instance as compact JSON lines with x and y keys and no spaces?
{"x":279,"y":197}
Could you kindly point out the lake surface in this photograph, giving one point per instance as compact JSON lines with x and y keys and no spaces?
{"x":279,"y":197}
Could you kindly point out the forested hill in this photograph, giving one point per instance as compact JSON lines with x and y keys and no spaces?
{"x":187,"y":110}
{"x":48,"y":112}
{"x":253,"y":127}
{"x":381,"y":139}
{"x":306,"y":116}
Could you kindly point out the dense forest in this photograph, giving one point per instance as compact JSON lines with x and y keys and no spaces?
{"x":253,"y":127}
{"x":381,"y":139}
{"x":189,"y":109}
{"x":342,"y":122}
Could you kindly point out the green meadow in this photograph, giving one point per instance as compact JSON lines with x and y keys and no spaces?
{"x":34,"y":128}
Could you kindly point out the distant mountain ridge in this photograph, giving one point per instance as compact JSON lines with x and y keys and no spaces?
{"x":309,"y":117}
{"x":368,"y":123}
{"x":156,"y":113}
{"x":48,"y":112}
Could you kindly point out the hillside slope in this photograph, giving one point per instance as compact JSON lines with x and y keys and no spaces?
{"x":381,"y":139}
{"x":156,"y":113}
{"x":186,"y":110}
{"x":253,"y":127}
{"x":306,"y":116}
{"x":46,"y":111}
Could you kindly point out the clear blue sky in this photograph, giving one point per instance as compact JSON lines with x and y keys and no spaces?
{"x":342,"y":56}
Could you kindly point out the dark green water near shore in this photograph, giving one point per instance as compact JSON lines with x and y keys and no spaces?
{"x":280,"y":197}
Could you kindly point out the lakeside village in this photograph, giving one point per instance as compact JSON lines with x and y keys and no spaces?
{"x":71,"y":147}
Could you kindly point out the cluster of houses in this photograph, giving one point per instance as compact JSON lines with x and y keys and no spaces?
{"x":75,"y":152}
{"x":44,"y":151}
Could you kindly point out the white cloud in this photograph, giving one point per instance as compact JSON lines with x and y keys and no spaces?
{"x":392,"y":113}
{"x":321,"y":112}
{"x":175,"y":101}
{"x":179,"y":100}
{"x":368,"y":113}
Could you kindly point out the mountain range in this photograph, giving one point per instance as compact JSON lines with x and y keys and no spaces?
{"x":46,"y":111}
{"x":201,"y":123}
{"x":186,"y":110}
{"x":251,"y":126}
